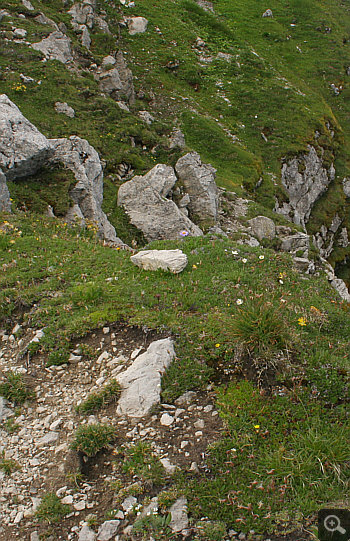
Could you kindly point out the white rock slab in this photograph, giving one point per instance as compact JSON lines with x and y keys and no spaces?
{"x":141,"y":382}
{"x":179,"y":518}
{"x":169,"y":260}
{"x":137,"y":25}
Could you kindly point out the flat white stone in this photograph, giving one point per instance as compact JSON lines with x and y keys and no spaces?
{"x":169,"y":260}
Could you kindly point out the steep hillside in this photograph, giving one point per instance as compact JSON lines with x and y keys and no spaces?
{"x":114,"y":117}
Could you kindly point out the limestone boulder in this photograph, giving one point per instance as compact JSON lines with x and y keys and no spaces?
{"x":137,"y":25}
{"x":198,"y":180}
{"x":299,"y":242}
{"x":144,"y":200}
{"x":83,"y":160}
{"x":179,"y":517}
{"x":65,"y":109}
{"x":169,"y":260}
{"x":118,"y":81}
{"x":141,"y":382}
{"x":56,"y":46}
{"x":262,"y":227}
{"x":83,"y":13}
{"x":23,"y":149}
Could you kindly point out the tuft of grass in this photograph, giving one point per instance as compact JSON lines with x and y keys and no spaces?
{"x":95,"y":401}
{"x":8,"y":466}
{"x":51,"y":510}
{"x":14,"y":388}
{"x":141,"y":462}
{"x":90,"y":439}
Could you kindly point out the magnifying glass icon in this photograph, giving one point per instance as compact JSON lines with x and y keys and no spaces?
{"x":332,"y":524}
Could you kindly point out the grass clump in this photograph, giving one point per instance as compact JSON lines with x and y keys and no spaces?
{"x":8,"y":465}
{"x":141,"y":462}
{"x":96,"y":401}
{"x":90,"y":439}
{"x":51,"y":510}
{"x":14,"y":388}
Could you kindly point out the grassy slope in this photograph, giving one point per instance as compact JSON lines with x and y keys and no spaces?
{"x":250,"y":317}
{"x":275,"y":89}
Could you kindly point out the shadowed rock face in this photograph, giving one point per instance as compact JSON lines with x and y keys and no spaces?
{"x":198,"y":180}
{"x":23,"y":149}
{"x":83,"y":160}
{"x":5,"y":203}
{"x":305,"y":179}
{"x":143,"y":199}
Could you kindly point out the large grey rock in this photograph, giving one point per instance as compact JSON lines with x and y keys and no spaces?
{"x":337,"y":283}
{"x":56,"y":46}
{"x":198,"y":180}
{"x":296,"y":243}
{"x":42,"y":19}
{"x":179,"y":518}
{"x":5,"y":203}
{"x":305,"y":179}
{"x":169,"y":260}
{"x":83,"y":160}
{"x":118,"y":81}
{"x":83,"y":13}
{"x":23,"y":149}
{"x":157,"y":217}
{"x":262,"y":227}
{"x":137,"y":25}
{"x":141,"y":382}
{"x":108,"y":530}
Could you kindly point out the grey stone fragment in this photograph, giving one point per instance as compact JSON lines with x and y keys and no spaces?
{"x":42,"y":19}
{"x":56,"y":46}
{"x":169,"y":260}
{"x":107,"y":530}
{"x":86,"y":534}
{"x":206,"y":5}
{"x":83,"y":13}
{"x":263,"y":227}
{"x":34,"y":536}
{"x":295,"y":243}
{"x":85,"y":37}
{"x":177,"y":139}
{"x":28,"y":5}
{"x":267,"y":13}
{"x":23,"y":149}
{"x":346,"y":186}
{"x":102,"y":24}
{"x":48,"y":439}
{"x":179,"y":518}
{"x":65,"y":109}
{"x":149,"y":211}
{"x":185,"y":398}
{"x":137,"y":25}
{"x":5,"y":203}
{"x":146,"y":117}
{"x":198,"y":180}
{"x":5,"y":411}
{"x":141,"y":382}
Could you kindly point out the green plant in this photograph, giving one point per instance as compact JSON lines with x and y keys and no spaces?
{"x":15,"y":389}
{"x":141,"y":462}
{"x":211,"y":531}
{"x":10,"y":425}
{"x":90,"y":439}
{"x":8,"y":465}
{"x":51,"y":510}
{"x":153,"y":524}
{"x":261,"y":328}
{"x":96,"y":401}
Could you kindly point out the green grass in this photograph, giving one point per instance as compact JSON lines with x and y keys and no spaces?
{"x":14,"y":388}
{"x":51,"y":510}
{"x":141,"y":462}
{"x":92,"y":438}
{"x":8,"y":466}
{"x":96,"y":401}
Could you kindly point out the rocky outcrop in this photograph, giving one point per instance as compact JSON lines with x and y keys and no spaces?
{"x":83,"y":13}
{"x":325,"y":238}
{"x":144,"y":200}
{"x":337,"y":283}
{"x":169,"y":260}
{"x":305,"y":179}
{"x":82,"y":159}
{"x":118,"y":81}
{"x":262,"y":227}
{"x":298,"y":243}
{"x":23,"y":149}
{"x":141,"y":382}
{"x":198,"y":180}
{"x":56,"y":46}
